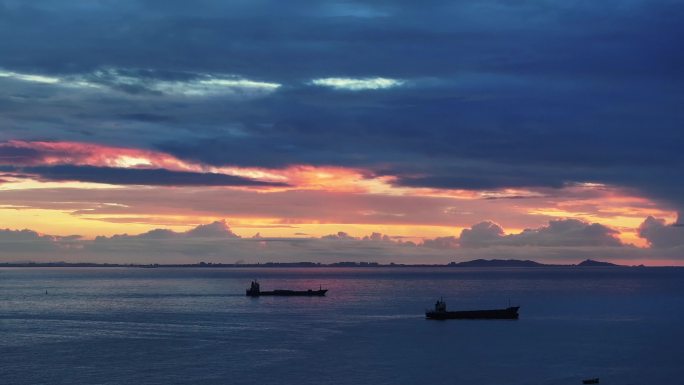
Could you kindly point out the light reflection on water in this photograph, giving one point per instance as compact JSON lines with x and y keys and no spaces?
{"x":179,"y":326}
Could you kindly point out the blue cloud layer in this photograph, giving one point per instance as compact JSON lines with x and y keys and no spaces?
{"x":137,"y":176}
{"x":494,"y":93}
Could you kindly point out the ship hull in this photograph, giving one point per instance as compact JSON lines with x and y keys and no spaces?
{"x":288,"y":293}
{"x":508,"y":313}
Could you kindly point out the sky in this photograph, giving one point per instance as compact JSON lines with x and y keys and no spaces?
{"x":389,"y":131}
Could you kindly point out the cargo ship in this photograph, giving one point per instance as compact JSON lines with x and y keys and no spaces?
{"x":440,"y":313}
{"x":255,"y":291}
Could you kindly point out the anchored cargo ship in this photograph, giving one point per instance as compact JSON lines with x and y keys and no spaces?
{"x":440,"y":313}
{"x":255,"y":291}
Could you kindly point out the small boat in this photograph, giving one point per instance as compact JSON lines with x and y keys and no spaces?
{"x":440,"y":313}
{"x":255,"y":291}
{"x":591,"y":381}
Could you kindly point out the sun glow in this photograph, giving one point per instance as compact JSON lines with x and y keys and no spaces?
{"x":64,"y":223}
{"x":125,"y":161}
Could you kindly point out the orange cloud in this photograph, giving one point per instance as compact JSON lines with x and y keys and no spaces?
{"x":316,"y":200}
{"x":88,"y":154}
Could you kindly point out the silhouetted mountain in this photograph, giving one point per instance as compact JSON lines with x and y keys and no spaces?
{"x":473,"y":263}
{"x":497,"y":263}
{"x":592,"y":263}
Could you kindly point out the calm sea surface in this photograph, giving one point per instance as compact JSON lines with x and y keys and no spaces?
{"x":195,"y":326}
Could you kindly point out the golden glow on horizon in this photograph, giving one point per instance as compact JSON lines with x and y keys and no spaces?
{"x":306,"y":230}
{"x":55,"y":222}
{"x":589,"y":202}
{"x":625,"y":219}
{"x":63,"y":223}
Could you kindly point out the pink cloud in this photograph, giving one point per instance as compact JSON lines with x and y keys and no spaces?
{"x":17,"y":152}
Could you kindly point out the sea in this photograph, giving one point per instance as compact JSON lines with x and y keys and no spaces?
{"x":196,"y":326}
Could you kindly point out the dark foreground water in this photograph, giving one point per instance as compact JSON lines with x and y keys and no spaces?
{"x":195,"y":326}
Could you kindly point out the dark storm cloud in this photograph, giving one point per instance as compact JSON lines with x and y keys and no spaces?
{"x":131,"y":176}
{"x":308,"y":39}
{"x":494,"y":93}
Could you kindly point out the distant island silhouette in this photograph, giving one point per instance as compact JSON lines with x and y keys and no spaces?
{"x":592,"y":263}
{"x":526,"y":263}
{"x":477,"y":263}
{"x":498,"y":263}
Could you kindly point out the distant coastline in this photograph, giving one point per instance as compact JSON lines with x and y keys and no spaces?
{"x":476,"y":263}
